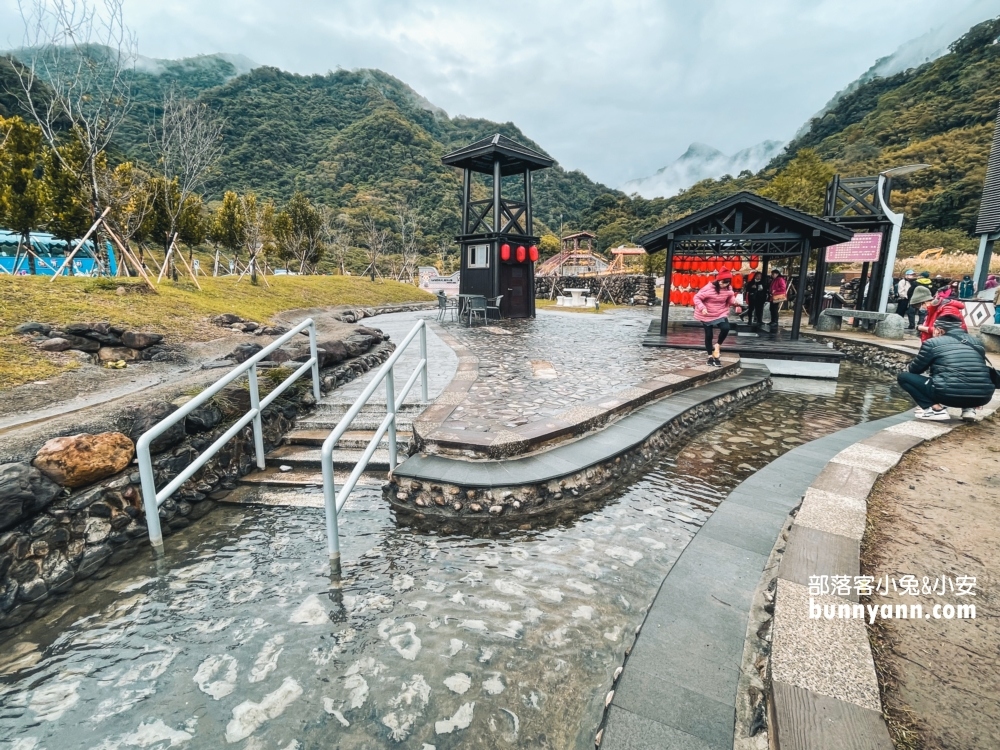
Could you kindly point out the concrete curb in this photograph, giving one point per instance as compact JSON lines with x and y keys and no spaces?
{"x":824,"y":690}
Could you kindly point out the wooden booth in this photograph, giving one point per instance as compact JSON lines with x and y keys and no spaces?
{"x":498,"y":245}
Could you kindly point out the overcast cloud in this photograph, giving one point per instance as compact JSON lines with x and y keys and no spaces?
{"x":616,"y":89}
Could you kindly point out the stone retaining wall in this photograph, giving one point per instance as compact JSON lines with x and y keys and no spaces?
{"x":872,"y":355}
{"x":66,"y":537}
{"x":444,"y":505}
{"x":624,"y":289}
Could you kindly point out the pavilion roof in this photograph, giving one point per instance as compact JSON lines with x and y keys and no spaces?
{"x":514,"y":158}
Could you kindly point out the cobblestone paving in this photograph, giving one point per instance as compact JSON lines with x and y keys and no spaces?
{"x":532,"y":370}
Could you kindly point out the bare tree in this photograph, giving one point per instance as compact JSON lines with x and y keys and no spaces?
{"x":186,"y":142}
{"x":337,"y":238}
{"x":128,"y":190}
{"x":257,"y":218}
{"x":408,"y":226}
{"x":74,"y":72}
{"x":376,"y":243}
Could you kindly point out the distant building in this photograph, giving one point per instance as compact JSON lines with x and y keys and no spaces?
{"x":627,"y":259}
{"x":433,"y":282}
{"x":577,"y":258}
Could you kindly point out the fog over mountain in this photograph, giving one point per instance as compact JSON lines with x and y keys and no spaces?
{"x":701,"y":162}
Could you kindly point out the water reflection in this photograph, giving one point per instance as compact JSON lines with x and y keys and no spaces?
{"x":428,"y":641}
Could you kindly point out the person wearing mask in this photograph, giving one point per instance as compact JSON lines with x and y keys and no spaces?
{"x":711,"y":307}
{"x":959,"y":376}
{"x":938,"y":283}
{"x":966,"y":290}
{"x":942,"y":304}
{"x":755,"y":293}
{"x":777,"y":293}
{"x":903,"y":292}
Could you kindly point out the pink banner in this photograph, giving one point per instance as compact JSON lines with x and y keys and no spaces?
{"x":861,"y":247}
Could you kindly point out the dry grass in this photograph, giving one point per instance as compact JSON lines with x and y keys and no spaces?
{"x":953,"y":266}
{"x":179,"y":311}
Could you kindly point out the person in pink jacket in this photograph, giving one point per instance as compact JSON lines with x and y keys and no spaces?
{"x":711,"y":307}
{"x":777,"y":293}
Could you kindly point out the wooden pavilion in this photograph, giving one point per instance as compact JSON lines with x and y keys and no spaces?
{"x":747,"y":226}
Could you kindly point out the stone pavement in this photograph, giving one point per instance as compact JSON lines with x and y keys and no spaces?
{"x":679,"y":685}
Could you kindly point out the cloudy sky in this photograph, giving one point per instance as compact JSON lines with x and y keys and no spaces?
{"x":616,"y":89}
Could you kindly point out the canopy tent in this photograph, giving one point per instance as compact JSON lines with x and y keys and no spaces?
{"x":745,"y":225}
{"x":50,"y":251}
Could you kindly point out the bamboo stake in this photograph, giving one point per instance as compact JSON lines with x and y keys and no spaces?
{"x":188,"y":267}
{"x":130,"y":256}
{"x":80,"y":243}
{"x":166,"y":260}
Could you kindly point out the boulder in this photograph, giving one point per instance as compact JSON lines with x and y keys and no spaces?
{"x":115,"y":353}
{"x":81,"y":343}
{"x":282,"y":355}
{"x":107,"y":339}
{"x":243,"y":352}
{"x":77,"y":460}
{"x":226,"y":319}
{"x":55,"y":345}
{"x":272,"y":331}
{"x":147,"y":416}
{"x":206,"y":417}
{"x":24,"y":491}
{"x":140,"y":340}
{"x":33,"y":327}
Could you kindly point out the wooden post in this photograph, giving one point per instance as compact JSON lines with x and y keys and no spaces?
{"x":80,"y":243}
{"x":800,"y":292}
{"x":668,"y":267}
{"x":215,"y":268}
{"x":528,"y":223}
{"x":466,"y":197}
{"x":497,"y":217}
{"x":166,"y":260}
{"x":187,"y":266}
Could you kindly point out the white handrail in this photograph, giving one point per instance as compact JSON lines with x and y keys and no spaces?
{"x":152,"y":500}
{"x":334,"y":501}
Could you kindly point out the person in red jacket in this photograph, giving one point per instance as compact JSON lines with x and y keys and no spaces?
{"x":711,"y":307}
{"x":942,"y":304}
{"x":777,"y":293}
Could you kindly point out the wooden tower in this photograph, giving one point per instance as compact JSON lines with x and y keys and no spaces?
{"x":498,"y":244}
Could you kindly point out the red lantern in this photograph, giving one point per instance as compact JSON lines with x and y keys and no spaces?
{"x":735,"y":264}
{"x":754,"y":261}
{"x":505,"y":252}
{"x":533,"y":253}
{"x":521,"y":253}
{"x":673,"y":298}
{"x":737,"y":282}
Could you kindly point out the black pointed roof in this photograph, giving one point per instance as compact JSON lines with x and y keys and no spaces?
{"x":989,"y":207}
{"x":819,"y":231}
{"x":513,"y":157}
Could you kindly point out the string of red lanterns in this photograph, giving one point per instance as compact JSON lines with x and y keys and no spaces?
{"x":521,"y":254}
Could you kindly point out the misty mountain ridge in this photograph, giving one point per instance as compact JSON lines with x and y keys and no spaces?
{"x":701,"y":162}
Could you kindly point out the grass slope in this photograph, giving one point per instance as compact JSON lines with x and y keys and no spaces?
{"x":179,"y":311}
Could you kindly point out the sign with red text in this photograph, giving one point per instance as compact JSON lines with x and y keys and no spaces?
{"x":861,"y":247}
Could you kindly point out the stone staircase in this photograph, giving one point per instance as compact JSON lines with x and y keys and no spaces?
{"x":296,"y":463}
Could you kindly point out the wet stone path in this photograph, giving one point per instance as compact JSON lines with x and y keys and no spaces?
{"x":237,"y":639}
{"x":535,"y":369}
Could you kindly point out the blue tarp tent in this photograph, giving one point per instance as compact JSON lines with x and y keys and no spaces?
{"x":51,"y":253}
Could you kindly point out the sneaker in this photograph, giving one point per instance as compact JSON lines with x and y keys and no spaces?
{"x":935,"y":415}
{"x":715,"y":362}
{"x":918,"y":412}
{"x":969,"y":415}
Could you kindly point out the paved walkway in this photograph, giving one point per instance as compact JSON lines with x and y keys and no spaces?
{"x":678,"y":688}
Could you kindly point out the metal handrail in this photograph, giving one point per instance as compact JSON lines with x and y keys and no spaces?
{"x":152,"y":500}
{"x":334,"y":501}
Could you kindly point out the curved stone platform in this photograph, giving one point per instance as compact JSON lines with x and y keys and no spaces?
{"x":445,"y":487}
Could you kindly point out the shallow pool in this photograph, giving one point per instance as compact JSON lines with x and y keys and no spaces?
{"x":237,"y":637}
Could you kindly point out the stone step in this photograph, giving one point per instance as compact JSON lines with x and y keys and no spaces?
{"x":340,"y":408}
{"x":361,"y":422}
{"x":305,"y":477}
{"x":350,"y":439}
{"x":308,"y":457}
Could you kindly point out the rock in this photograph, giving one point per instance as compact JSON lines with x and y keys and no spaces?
{"x":249,"y":326}
{"x":147,"y":416}
{"x":496,"y":510}
{"x":226,"y":319}
{"x":55,"y":345}
{"x":33,"y":327}
{"x":77,"y":460}
{"x":57,"y":573}
{"x":24,"y":491}
{"x":243,"y":352}
{"x":140,"y":340}
{"x":117,"y":354}
{"x":272,"y":331}
{"x":93,"y":558}
{"x":33,"y":591}
{"x":203,"y":419}
{"x":282,"y":355}
{"x":81,"y":343}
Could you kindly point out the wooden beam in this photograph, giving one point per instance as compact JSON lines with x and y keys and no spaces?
{"x":130,"y":256}
{"x":80,"y":243}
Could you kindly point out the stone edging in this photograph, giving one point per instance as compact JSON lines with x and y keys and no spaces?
{"x":823,"y":687}
{"x":431,"y":436}
{"x":569,"y":475}
{"x":882,"y":355}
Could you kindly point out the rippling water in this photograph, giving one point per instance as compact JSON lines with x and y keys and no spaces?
{"x":237,"y":637}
